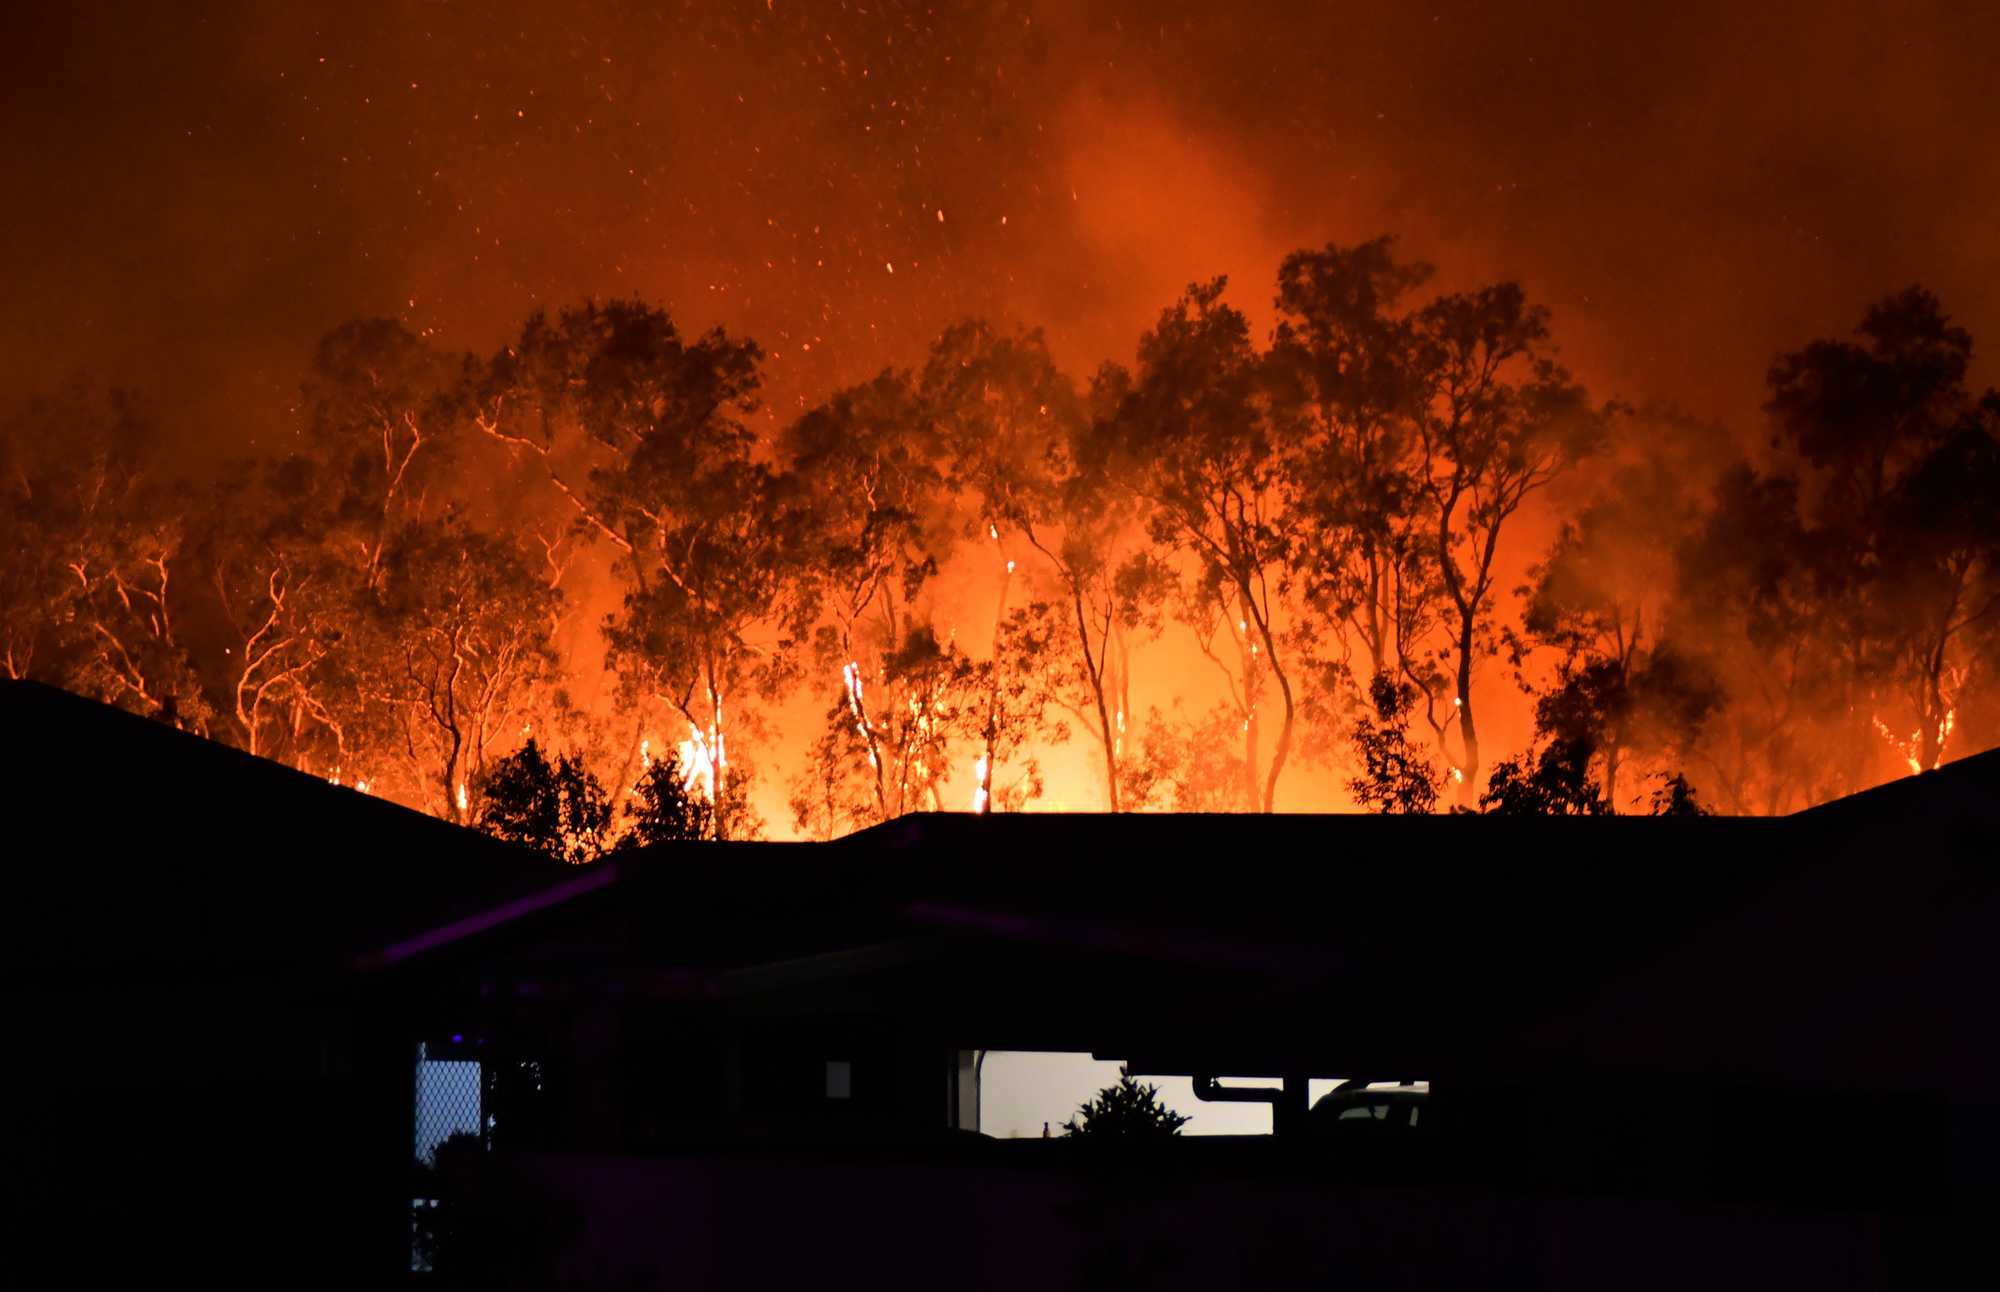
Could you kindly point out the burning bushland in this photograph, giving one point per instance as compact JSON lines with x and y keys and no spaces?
{"x":1308,"y":570}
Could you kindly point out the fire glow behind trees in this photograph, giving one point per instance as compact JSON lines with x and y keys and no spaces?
{"x":703,"y":406}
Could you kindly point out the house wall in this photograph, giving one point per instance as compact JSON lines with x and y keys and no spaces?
{"x":639,"y":1075}
{"x":249,"y":1140}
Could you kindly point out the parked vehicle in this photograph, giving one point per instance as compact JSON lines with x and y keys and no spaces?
{"x":1373,"y":1108}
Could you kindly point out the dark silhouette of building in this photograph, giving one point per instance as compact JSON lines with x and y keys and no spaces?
{"x":248,"y":1007}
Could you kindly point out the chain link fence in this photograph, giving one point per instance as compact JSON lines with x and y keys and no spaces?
{"x":467,"y":1106}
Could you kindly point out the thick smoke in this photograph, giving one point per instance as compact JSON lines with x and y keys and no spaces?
{"x":194,"y":196}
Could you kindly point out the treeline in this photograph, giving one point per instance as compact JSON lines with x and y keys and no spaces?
{"x":965,"y":563}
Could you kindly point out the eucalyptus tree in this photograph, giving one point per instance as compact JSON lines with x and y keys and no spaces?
{"x":1897,"y":462}
{"x":283,"y":602}
{"x":872,"y":469}
{"x":1188,"y":434}
{"x":460,"y":657}
{"x":642,"y":432}
{"x":93,"y":590}
{"x":383,"y":412}
{"x":1345,"y":380}
{"x":1013,"y":423}
{"x":1496,"y":420}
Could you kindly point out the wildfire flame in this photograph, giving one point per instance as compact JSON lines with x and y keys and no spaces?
{"x":360,"y":786}
{"x":980,"y":798}
{"x":645,"y":765}
{"x":1909,"y":750}
{"x":850,"y":677}
{"x":702,"y":759}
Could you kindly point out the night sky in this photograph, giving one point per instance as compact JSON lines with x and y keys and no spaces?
{"x":195,"y":192}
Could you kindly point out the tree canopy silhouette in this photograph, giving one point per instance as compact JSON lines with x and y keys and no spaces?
{"x":665,"y":808}
{"x":1127,"y":1112}
{"x":1396,"y":777}
{"x":555,"y":808}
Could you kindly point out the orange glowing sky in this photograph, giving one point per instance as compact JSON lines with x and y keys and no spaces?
{"x":195,"y":192}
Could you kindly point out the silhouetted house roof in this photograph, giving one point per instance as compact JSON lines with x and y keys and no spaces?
{"x":1846,"y":945}
{"x":236,"y":997}
{"x":142,"y":853}
{"x":194,"y":1072}
{"x":1865,"y":960}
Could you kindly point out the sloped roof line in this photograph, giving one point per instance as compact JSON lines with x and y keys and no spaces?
{"x":1973,"y":780}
